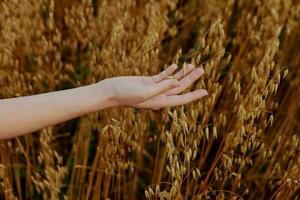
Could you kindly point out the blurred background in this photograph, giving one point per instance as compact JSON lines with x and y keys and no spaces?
{"x":239,"y":142}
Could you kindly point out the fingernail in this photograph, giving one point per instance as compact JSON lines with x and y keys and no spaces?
{"x":174,"y":66}
{"x":204,"y":92}
{"x":200,"y":70}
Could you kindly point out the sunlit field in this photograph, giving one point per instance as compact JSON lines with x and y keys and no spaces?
{"x":241,"y":141}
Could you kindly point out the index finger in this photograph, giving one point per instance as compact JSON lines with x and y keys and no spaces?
{"x":167,"y":72}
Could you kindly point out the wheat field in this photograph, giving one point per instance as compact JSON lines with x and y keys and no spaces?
{"x":239,"y":142}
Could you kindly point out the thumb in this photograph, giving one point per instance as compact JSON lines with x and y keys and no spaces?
{"x":162,"y":86}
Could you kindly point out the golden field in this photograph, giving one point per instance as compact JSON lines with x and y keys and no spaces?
{"x":239,"y":142}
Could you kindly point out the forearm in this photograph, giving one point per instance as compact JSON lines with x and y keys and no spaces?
{"x":22,"y":115}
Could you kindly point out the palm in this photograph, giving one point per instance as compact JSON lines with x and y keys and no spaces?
{"x":131,"y":90}
{"x":171,"y":96}
{"x":156,"y":91}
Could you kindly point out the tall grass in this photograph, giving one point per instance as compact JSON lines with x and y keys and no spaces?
{"x":239,"y":142}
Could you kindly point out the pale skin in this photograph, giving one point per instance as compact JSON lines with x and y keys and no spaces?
{"x":23,"y":115}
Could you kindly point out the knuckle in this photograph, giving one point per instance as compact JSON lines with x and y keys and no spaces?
{"x":161,"y":74}
{"x":194,"y":76}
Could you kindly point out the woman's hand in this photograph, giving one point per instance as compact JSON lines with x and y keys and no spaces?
{"x":32,"y":113}
{"x":154,"y":92}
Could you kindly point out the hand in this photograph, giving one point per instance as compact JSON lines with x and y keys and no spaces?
{"x":154,"y":92}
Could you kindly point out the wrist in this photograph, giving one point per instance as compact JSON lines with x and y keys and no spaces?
{"x":99,"y":97}
{"x":104,"y":95}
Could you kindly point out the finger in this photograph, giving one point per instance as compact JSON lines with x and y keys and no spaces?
{"x":176,"y":100}
{"x":167,"y":72}
{"x":183,"y":72}
{"x":161,"y":87}
{"x":186,"y":81}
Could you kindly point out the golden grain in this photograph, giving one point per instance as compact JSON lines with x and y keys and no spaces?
{"x":240,"y":138}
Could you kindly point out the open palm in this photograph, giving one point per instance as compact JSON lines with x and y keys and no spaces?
{"x":157,"y":91}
